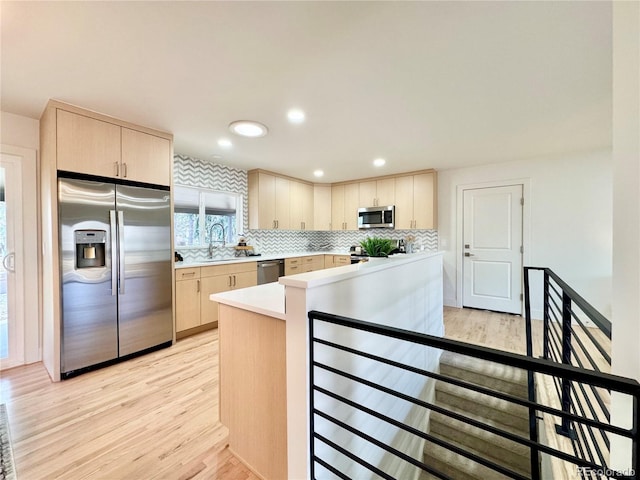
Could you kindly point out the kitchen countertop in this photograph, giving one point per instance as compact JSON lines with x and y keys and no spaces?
{"x":205,"y":263}
{"x":269,"y":299}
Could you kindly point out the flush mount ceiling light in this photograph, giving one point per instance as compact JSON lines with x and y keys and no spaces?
{"x":318,"y":173}
{"x":225,"y":143}
{"x":295,"y":115}
{"x":379,"y":162}
{"x":248,"y":128}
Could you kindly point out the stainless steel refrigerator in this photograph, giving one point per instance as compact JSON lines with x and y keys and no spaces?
{"x":115,"y":253}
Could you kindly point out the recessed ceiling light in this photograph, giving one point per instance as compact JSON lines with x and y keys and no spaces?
{"x":295,"y":115}
{"x":225,"y":143}
{"x":318,"y":173}
{"x":378,"y":162}
{"x":248,"y":128}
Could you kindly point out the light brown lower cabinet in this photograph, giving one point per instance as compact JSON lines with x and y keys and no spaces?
{"x":253,"y":389}
{"x":194,"y":310}
{"x":305,"y":264}
{"x":331,"y":261}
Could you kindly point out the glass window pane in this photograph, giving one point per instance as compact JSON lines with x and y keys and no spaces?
{"x":197,"y":208}
{"x":187,"y":229}
{"x":228,"y":222}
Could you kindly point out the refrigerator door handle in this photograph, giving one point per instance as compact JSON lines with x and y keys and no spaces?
{"x":114,"y":252}
{"x":121,"y":248}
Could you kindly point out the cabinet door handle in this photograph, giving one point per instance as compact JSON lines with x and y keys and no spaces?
{"x":124,"y":170}
{"x":198,"y":286}
{"x":277,"y":223}
{"x":234,"y":280}
{"x":117,"y":168}
{"x":229,"y":284}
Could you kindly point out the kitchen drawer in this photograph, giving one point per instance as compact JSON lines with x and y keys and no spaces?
{"x":340,"y":260}
{"x":187,"y":273}
{"x":293,"y":269}
{"x":228,"y":269}
{"x":293,"y":265}
{"x":314,"y":259}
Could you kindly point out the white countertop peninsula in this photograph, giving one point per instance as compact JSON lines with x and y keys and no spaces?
{"x":267,"y":299}
{"x":264,"y":348}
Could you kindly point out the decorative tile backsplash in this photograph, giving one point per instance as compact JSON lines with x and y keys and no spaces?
{"x":274,"y":241}
{"x":193,"y":172}
{"x":199,"y":173}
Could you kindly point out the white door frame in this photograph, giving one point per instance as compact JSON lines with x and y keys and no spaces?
{"x":526,"y":226}
{"x":29,"y":298}
{"x":15,"y":278}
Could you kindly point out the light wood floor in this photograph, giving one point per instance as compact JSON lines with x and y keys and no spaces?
{"x":156,"y":417}
{"x":489,"y":329}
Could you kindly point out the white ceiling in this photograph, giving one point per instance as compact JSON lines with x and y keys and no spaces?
{"x":422,"y":84}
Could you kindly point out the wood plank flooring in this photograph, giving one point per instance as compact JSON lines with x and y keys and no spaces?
{"x":156,"y":417}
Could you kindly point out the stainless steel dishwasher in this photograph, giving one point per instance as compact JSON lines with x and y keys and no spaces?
{"x":270,"y":270}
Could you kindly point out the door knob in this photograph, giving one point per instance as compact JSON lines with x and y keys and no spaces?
{"x":8,"y":262}
{"x":467,"y":254}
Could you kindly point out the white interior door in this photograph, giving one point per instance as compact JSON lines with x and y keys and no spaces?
{"x":492,"y":248}
{"x":11,"y":261}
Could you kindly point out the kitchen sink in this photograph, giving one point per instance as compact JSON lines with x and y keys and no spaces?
{"x":215,"y":260}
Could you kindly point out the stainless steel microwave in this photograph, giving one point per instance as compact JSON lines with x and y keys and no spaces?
{"x":377,"y":217}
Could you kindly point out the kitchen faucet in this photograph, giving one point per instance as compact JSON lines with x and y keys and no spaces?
{"x":211,"y":238}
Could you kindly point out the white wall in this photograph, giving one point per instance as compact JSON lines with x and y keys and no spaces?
{"x":568,"y":212}
{"x":626,"y":218}
{"x":23,"y":132}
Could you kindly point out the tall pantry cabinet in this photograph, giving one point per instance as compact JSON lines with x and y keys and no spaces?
{"x":77,"y":140}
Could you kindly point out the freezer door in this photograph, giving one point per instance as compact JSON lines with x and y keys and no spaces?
{"x":144,"y":235}
{"x":89,"y":305}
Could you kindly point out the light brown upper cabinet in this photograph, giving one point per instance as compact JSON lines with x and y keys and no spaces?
{"x":322,"y":207}
{"x":301,"y":210}
{"x":95,"y":146}
{"x":286,"y":203}
{"x":344,"y":206}
{"x":270,"y":200}
{"x":376,"y":193}
{"x":143,"y":157}
{"x":87,"y":145}
{"x":416,"y":206}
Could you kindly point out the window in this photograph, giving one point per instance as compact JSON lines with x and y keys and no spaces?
{"x":202,"y":216}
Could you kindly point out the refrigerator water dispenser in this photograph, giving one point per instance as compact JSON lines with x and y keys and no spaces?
{"x":90,"y":248}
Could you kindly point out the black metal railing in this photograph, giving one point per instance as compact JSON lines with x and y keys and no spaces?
{"x":574,"y":333}
{"x":339,"y":408}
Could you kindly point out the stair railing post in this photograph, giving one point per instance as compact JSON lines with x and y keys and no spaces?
{"x":635,"y":452}
{"x":545,"y":317}
{"x":565,"y":427}
{"x":531,"y":388}
{"x":312,"y":430}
